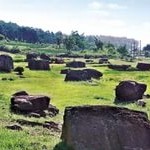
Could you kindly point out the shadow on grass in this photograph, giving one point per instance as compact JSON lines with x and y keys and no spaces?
{"x":123,"y":103}
{"x":62,"y":146}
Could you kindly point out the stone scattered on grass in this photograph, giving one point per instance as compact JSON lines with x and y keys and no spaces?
{"x":129,"y":91}
{"x":104,"y":61}
{"x":32,"y":105}
{"x":82,"y":75}
{"x":143,"y":66}
{"x":20,"y":93}
{"x":53,"y":126}
{"x":141,"y":103}
{"x":14,"y":127}
{"x":36,"y":115}
{"x":105,"y":128}
{"x":76,"y":64}
{"x":34,"y":64}
{"x":119,"y":67}
{"x":6,"y":63}
{"x":7,"y":79}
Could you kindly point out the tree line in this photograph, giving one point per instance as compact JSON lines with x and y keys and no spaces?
{"x":26,"y":34}
{"x":74,"y":41}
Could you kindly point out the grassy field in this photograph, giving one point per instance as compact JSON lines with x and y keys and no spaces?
{"x":29,"y":47}
{"x":51,"y":83}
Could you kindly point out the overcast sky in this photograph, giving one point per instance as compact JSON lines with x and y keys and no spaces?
{"x":130,"y":18}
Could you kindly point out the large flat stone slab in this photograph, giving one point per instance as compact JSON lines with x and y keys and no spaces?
{"x":105,"y":128}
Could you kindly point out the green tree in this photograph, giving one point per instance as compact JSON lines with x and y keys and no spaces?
{"x":69,"y":43}
{"x":146,"y":50}
{"x":122,"y":51}
{"x":59,"y":38}
{"x":15,"y":32}
{"x":111,"y":50}
{"x":99,"y":44}
{"x":79,"y":40}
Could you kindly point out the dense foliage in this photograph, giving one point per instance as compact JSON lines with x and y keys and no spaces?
{"x":26,"y":34}
{"x":19,"y":70}
{"x":146,"y":50}
{"x":14,"y":32}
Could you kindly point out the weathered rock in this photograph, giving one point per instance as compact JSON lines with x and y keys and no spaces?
{"x":88,"y":56}
{"x":64,"y":71}
{"x":69,"y":55}
{"x":33,"y":106}
{"x":51,"y":125}
{"x":77,"y":75}
{"x":93,"y":73}
{"x":103,"y":60}
{"x":29,"y":103}
{"x":4,"y":79}
{"x":141,"y":103}
{"x":31,"y":56}
{"x":6,"y":63}
{"x":52,"y":59}
{"x":105,"y":128}
{"x":147,"y":96}
{"x":89,"y":61}
{"x":42,"y":113}
{"x":20,"y":93}
{"x":128,"y":91}
{"x":33,"y":114}
{"x":81,"y":75}
{"x":119,"y":67}
{"x":38,"y":64}
{"x":52,"y":110}
{"x":44,"y":56}
{"x":59,"y":61}
{"x":47,"y":124}
{"x":11,"y":79}
{"x":143,"y":66}
{"x":76,"y":64}
{"x":14,"y":127}
{"x":28,"y":123}
{"x":19,"y":70}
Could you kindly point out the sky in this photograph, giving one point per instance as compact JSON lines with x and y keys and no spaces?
{"x":122,"y":18}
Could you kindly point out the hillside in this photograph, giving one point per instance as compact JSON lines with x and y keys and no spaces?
{"x":14,"y":32}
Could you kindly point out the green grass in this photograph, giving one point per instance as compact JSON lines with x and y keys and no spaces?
{"x":37,"y":48}
{"x":62,"y":94}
